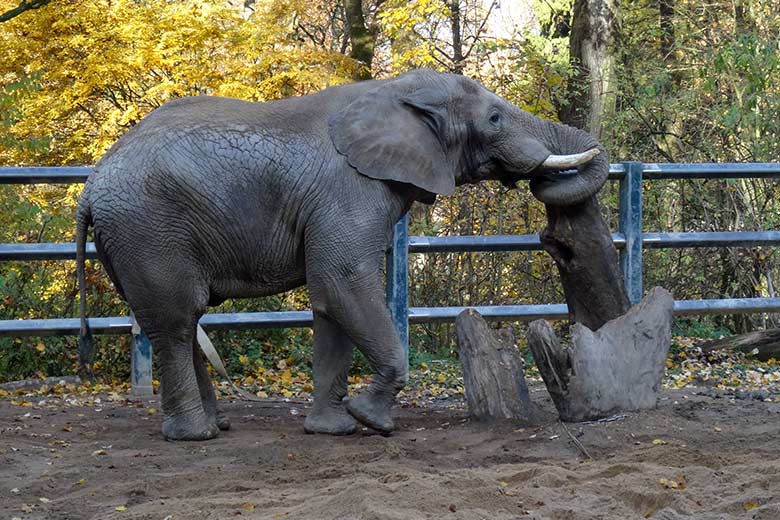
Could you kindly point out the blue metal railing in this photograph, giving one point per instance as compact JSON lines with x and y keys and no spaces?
{"x":629,"y":240}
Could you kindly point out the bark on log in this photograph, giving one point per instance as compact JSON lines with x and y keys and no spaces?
{"x":579,"y":241}
{"x":492,"y":370}
{"x":766,"y":342}
{"x":617,"y":368}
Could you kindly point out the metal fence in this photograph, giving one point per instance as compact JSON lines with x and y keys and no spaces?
{"x":629,"y":240}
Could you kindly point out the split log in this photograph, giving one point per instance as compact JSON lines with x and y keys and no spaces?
{"x":617,"y":368}
{"x":492,"y":370}
{"x":765,"y":344}
{"x":579,"y":241}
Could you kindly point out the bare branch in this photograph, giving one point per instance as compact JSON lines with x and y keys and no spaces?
{"x":24,"y":5}
{"x":480,"y":29}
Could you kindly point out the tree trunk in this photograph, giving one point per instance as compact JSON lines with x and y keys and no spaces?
{"x":666,"y":12}
{"x":766,"y":343}
{"x":457,"y":43}
{"x":361,"y":38}
{"x":579,"y":241}
{"x":594,"y":25}
{"x":492,"y":370}
{"x":617,"y":368}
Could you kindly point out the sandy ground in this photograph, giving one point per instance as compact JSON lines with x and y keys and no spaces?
{"x":694,"y":457}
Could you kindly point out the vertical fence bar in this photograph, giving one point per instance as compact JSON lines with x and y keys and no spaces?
{"x":630,"y":222}
{"x":140,"y":363}
{"x":398,"y":282}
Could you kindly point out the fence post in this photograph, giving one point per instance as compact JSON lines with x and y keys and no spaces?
{"x":630,"y":222}
{"x":140,"y":363}
{"x":397,"y":265}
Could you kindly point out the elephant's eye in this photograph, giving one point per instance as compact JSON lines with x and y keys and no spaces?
{"x":495,"y":118}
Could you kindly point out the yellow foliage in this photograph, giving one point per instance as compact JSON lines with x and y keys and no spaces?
{"x":76,"y":75}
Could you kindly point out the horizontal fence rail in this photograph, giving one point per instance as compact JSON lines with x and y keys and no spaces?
{"x":463,"y":243}
{"x":75,"y":174}
{"x":301,"y":319}
{"x":630,"y":240}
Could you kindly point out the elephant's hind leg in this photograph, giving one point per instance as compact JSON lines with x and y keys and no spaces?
{"x":171,"y":326}
{"x":207,"y":394}
{"x":332,"y":360}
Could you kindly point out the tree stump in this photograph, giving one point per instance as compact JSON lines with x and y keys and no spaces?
{"x":492,"y":370}
{"x":617,"y":368}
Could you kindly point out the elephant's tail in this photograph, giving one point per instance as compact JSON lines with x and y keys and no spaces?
{"x":83,"y":221}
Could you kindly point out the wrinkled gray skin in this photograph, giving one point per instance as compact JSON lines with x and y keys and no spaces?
{"x":212,"y":198}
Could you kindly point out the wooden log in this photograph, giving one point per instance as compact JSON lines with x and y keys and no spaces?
{"x":32,"y":384}
{"x":765,"y":344}
{"x":617,"y":368}
{"x":579,"y":241}
{"x":492,"y":370}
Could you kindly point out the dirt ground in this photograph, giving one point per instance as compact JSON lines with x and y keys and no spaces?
{"x":695,"y":456}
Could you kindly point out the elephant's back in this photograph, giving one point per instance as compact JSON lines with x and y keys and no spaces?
{"x":215,"y":176}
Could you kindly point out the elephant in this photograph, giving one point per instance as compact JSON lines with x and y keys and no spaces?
{"x":210,"y":198}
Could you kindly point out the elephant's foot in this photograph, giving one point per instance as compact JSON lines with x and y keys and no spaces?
{"x":223,"y":423}
{"x":330,"y":420}
{"x":189,"y":428}
{"x":373,"y":411}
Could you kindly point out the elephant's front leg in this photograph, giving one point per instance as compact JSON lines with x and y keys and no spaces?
{"x":355,"y":301}
{"x":332,"y":360}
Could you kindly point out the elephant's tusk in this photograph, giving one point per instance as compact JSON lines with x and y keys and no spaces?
{"x":565,"y":162}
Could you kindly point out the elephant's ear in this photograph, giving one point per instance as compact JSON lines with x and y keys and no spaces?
{"x":394,"y":135}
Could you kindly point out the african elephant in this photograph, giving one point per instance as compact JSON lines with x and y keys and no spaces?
{"x":210,"y":198}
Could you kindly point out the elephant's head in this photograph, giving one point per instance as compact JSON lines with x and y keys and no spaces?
{"x":436,"y":131}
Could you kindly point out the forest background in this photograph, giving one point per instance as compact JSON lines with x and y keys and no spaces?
{"x":655,"y":80}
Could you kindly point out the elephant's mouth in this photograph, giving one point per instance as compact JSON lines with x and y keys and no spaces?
{"x":556,"y":168}
{"x":538,"y":174}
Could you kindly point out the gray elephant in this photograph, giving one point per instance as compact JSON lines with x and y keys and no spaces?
{"x":211,"y":198}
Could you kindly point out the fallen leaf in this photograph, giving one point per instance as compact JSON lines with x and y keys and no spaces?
{"x":678,"y":484}
{"x":151,"y":411}
{"x":249,"y":507}
{"x":750,"y":505}
{"x":121,"y":508}
{"x":717,"y":429}
{"x":503,"y":484}
{"x":67,"y":428}
{"x":99,"y":452}
{"x":659,"y":442}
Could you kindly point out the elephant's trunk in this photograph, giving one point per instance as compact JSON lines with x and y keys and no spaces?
{"x":578,"y":147}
